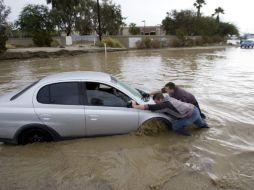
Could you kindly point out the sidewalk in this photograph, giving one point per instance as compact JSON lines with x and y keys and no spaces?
{"x":45,"y":52}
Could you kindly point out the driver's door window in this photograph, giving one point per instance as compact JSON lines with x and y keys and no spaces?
{"x":99,"y":94}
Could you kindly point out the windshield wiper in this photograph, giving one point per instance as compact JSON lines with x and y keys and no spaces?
{"x":145,"y":96}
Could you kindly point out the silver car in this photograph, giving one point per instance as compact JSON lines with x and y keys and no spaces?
{"x":72,"y":105}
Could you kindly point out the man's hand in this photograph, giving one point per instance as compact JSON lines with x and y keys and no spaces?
{"x":135,"y":105}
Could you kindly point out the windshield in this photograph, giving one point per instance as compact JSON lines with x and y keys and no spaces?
{"x":127,"y":87}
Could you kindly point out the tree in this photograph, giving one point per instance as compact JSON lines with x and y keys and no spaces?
{"x":198,"y":5}
{"x":183,"y":20}
{"x":84,"y":21}
{"x":37,"y":20}
{"x":217,"y":13}
{"x":185,"y":23}
{"x":168,"y":24}
{"x":133,"y":29}
{"x":86,"y":16}
{"x":4,"y":12}
{"x":65,"y":13}
{"x":111,"y":18}
{"x":3,"y":38}
{"x":227,"y":29}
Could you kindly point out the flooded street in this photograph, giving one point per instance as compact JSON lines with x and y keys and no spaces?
{"x":222,"y":157}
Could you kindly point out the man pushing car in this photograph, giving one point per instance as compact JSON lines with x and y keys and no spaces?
{"x":180,"y":94}
{"x":183,"y":113}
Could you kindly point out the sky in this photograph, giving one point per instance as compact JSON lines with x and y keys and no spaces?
{"x":153,"y":12}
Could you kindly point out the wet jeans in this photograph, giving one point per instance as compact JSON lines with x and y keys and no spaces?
{"x":194,"y":118}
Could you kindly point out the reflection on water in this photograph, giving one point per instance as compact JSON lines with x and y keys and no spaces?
{"x":218,"y":158}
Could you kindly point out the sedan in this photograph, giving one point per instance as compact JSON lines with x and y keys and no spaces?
{"x":72,"y":105}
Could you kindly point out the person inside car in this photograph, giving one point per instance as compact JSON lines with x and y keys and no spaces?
{"x":184,"y":113}
{"x":180,"y":94}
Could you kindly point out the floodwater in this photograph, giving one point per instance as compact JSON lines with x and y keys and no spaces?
{"x":221,"y":157}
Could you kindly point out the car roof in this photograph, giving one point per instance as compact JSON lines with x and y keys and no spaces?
{"x":77,"y":75}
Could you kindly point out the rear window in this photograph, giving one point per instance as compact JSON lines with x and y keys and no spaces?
{"x":66,"y":93}
{"x":23,"y":91}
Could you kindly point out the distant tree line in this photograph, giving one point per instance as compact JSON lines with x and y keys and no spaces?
{"x":103,"y":17}
{"x":67,"y":16}
{"x":191,"y":23}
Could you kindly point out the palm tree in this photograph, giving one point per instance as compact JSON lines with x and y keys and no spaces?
{"x":217,"y":13}
{"x":52,"y":2}
{"x":198,"y":5}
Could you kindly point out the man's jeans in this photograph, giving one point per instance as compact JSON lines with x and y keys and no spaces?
{"x":194,"y":118}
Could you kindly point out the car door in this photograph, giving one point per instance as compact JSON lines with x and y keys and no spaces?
{"x":106,"y":110}
{"x":60,"y":107}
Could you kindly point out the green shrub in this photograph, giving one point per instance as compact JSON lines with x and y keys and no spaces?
{"x":3,"y":38}
{"x":41,"y":39}
{"x":212,"y":39}
{"x":199,"y":42}
{"x":156,"y":44}
{"x":140,"y":44}
{"x":189,"y":43}
{"x":177,"y":43}
{"x":55,"y":43}
{"x":148,"y":43}
{"x":111,"y":42}
{"x":180,"y":34}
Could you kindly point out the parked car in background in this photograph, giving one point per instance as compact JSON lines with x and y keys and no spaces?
{"x":247,"y":44}
{"x":72,"y":105}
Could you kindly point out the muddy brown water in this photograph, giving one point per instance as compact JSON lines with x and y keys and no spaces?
{"x":222,"y":157}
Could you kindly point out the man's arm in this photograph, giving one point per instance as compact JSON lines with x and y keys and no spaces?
{"x":152,"y":107}
{"x":155,"y":92}
{"x":136,"y":106}
{"x":158,"y":91}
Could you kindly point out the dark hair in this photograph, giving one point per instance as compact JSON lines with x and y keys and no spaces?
{"x":158,"y":96}
{"x":170,"y":85}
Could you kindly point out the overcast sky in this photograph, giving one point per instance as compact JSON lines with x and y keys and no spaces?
{"x":239,"y":13}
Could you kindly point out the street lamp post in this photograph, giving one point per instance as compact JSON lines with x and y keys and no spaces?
{"x":144,"y":32}
{"x":159,"y":29}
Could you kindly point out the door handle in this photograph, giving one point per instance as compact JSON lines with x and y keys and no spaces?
{"x":45,"y":116}
{"x":93,"y":117}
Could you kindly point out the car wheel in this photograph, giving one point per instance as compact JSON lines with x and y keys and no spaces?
{"x":34,"y":135}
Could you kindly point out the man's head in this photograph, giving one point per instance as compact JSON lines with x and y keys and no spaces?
{"x":170,"y":87}
{"x":158,"y":98}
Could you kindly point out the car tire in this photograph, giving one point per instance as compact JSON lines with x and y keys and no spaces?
{"x":34,"y":135}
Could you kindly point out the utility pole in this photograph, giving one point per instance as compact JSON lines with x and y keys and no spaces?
{"x":99,"y":19}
